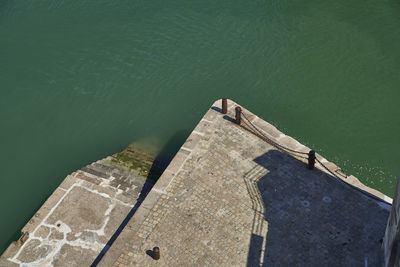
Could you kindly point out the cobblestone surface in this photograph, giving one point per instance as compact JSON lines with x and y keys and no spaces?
{"x":230,"y":199}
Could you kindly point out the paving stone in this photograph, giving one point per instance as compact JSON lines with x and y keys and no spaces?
{"x":33,"y":251}
{"x":237,"y":201}
{"x":267,"y":128}
{"x":56,"y":235}
{"x":42,"y":232}
{"x":228,"y":199}
{"x":74,"y":256}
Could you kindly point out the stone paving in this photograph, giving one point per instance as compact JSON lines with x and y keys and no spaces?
{"x":230,"y":199}
{"x":79,"y":218}
{"x":227,"y":199}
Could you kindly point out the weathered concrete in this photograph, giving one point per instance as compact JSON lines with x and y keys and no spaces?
{"x":81,"y":215}
{"x":227,"y":199}
{"x":230,"y":199}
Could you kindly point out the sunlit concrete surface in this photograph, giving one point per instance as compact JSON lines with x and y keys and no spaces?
{"x":81,"y":215}
{"x":230,"y":199}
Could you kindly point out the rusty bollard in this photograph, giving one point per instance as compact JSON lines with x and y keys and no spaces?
{"x":224,"y":106}
{"x":238,"y":114}
{"x":156,"y":253}
{"x":23,"y":238}
{"x":311,"y":159}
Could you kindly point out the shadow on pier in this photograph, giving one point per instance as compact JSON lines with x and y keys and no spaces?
{"x":308,"y":218}
{"x":160,"y":163}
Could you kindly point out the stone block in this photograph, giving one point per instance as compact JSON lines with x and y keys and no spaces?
{"x":11,"y":250}
{"x":304,"y":149}
{"x":351,"y":179}
{"x":164,"y":181}
{"x":91,"y":170}
{"x":107,"y":190}
{"x":192,"y":141}
{"x":178,"y":161}
{"x":44,"y":210}
{"x":56,"y":235}
{"x":6,"y":263}
{"x":211,"y":115}
{"x":289,"y":142}
{"x":91,"y":179}
{"x":116,"y":217}
{"x":202,"y":127}
{"x":267,"y":128}
{"x":68,"y":182}
{"x":151,"y":200}
{"x":332,"y":167}
{"x":42,"y":232}
{"x":74,"y":256}
{"x":88,"y":212}
{"x":138,"y":218}
{"x":127,"y":199}
{"x":34,"y":251}
{"x":250,"y":116}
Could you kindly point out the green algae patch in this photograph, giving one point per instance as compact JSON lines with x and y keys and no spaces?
{"x":139,"y":157}
{"x":134,"y":159}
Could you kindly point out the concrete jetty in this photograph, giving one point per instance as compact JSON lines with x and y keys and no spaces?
{"x":83,"y":213}
{"x":228,"y":198}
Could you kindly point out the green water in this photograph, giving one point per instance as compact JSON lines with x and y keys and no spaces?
{"x":82,"y":79}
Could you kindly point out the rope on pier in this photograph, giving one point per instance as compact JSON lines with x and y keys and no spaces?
{"x":270,"y":141}
{"x":288,"y":151}
{"x":326,"y":168}
{"x":283,"y":148}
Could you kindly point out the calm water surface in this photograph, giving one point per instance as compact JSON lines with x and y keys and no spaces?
{"x":80,"y":80}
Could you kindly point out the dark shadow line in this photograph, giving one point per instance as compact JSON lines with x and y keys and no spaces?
{"x":226,"y":117}
{"x":145,"y":190}
{"x":159,"y":165}
{"x":216,"y":109}
{"x":150,"y":253}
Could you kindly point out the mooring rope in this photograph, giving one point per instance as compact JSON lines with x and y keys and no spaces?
{"x":269,"y":140}
{"x":326,"y":168}
{"x":289,"y":150}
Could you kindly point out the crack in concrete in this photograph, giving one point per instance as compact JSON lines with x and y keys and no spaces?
{"x":56,"y":245}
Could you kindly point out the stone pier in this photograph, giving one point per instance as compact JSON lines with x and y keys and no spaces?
{"x":83,"y":213}
{"x":228,"y":198}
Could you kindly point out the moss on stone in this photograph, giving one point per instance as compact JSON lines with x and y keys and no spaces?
{"x":137,"y":157}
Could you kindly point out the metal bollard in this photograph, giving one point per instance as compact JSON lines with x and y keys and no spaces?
{"x":311,"y":159}
{"x":238,"y":118}
{"x":23,"y":238}
{"x":224,"y":106}
{"x":156,"y":253}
